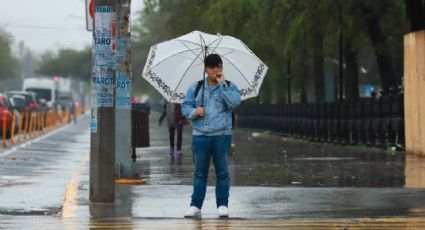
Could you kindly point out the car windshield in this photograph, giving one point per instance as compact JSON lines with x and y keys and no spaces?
{"x":29,"y":99}
{"x":18,"y":102}
{"x":42,"y":93}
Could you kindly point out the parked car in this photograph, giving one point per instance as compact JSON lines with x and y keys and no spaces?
{"x":5,"y":115}
{"x":64,"y":99}
{"x":44,"y":88}
{"x":30,"y":100}
{"x":17,"y":104}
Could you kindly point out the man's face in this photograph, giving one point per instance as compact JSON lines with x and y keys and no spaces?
{"x":212,"y":71}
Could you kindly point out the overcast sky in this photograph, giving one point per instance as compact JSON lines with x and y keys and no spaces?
{"x":49,"y":24}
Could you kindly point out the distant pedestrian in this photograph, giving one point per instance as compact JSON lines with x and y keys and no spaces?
{"x":175,"y":120}
{"x":72,"y":112}
{"x":211,"y":113}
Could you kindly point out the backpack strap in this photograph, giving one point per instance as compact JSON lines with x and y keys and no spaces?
{"x":199,"y":86}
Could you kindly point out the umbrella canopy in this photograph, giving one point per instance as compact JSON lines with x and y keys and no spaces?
{"x":173,"y":66}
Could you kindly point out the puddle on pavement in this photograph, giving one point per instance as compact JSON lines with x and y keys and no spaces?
{"x":276,"y":161}
{"x":269,"y":160}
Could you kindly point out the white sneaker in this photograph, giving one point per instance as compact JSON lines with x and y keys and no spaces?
{"x":223,"y":211}
{"x":192,"y":212}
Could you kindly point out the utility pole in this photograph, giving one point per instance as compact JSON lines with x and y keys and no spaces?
{"x":122,"y":58}
{"x":102,"y":125}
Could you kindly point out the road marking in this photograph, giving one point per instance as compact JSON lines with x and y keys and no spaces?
{"x":71,"y":192}
{"x":349,"y":223}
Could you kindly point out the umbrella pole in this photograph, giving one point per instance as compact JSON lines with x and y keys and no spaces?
{"x":203,"y":85}
{"x":203,"y":78}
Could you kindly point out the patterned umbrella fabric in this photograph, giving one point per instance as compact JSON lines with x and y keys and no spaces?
{"x":173,"y":66}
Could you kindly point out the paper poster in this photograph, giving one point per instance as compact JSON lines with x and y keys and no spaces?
{"x":103,"y":63}
{"x":103,"y":87}
{"x":123,"y":100}
{"x":93,"y":121}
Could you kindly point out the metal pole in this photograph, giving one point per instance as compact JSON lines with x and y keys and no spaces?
{"x":102,"y":125}
{"x":123,"y":165}
{"x":204,"y":83}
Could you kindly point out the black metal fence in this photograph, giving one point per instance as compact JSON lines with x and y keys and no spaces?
{"x":368,"y":121}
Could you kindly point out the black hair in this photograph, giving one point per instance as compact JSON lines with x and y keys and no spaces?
{"x":213,"y":60}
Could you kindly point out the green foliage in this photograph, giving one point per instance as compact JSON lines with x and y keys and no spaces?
{"x":9,"y":65}
{"x":67,"y":63}
{"x":276,"y":30}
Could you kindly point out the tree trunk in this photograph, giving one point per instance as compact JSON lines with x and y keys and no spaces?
{"x":266,"y":92}
{"x":415,"y":10}
{"x":352,"y":73}
{"x":318,"y":66}
{"x":304,"y":76}
{"x":281,"y":89}
{"x":383,"y":58}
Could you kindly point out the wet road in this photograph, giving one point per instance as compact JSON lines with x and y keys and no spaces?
{"x":34,"y":175}
{"x":276,"y":183}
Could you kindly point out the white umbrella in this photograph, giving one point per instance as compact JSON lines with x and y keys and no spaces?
{"x":173,"y":66}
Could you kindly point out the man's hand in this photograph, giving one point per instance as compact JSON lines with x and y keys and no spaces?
{"x":200,"y":112}
{"x":219,"y":76}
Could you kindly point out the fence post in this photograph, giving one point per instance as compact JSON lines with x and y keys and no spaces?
{"x":43,"y":121}
{"x":36,"y":123}
{"x":26,"y":129}
{"x":31,"y":117}
{"x":21,"y":117}
{"x":55,"y":118}
{"x":50,"y":120}
{"x":12,"y":128}
{"x":40,"y":123}
{"x":4,"y":130}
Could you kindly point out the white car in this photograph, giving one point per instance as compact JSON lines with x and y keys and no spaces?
{"x":44,"y":88}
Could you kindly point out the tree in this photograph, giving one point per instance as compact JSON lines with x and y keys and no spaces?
{"x":9,"y":64}
{"x":67,"y":63}
{"x":415,"y":10}
{"x":383,"y":22}
{"x":304,"y":31}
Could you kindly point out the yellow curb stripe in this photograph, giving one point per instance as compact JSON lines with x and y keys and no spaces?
{"x":71,"y":192}
{"x":130,"y":181}
{"x":355,"y":223}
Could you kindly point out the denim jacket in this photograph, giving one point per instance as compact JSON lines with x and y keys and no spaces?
{"x":219,"y":101}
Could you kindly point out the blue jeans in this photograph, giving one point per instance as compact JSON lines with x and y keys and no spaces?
{"x":203,"y":149}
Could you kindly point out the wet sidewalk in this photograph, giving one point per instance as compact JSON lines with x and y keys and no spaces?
{"x":277,"y":178}
{"x":276,"y":183}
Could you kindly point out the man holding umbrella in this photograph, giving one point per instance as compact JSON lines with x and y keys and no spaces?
{"x":209,"y":104}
